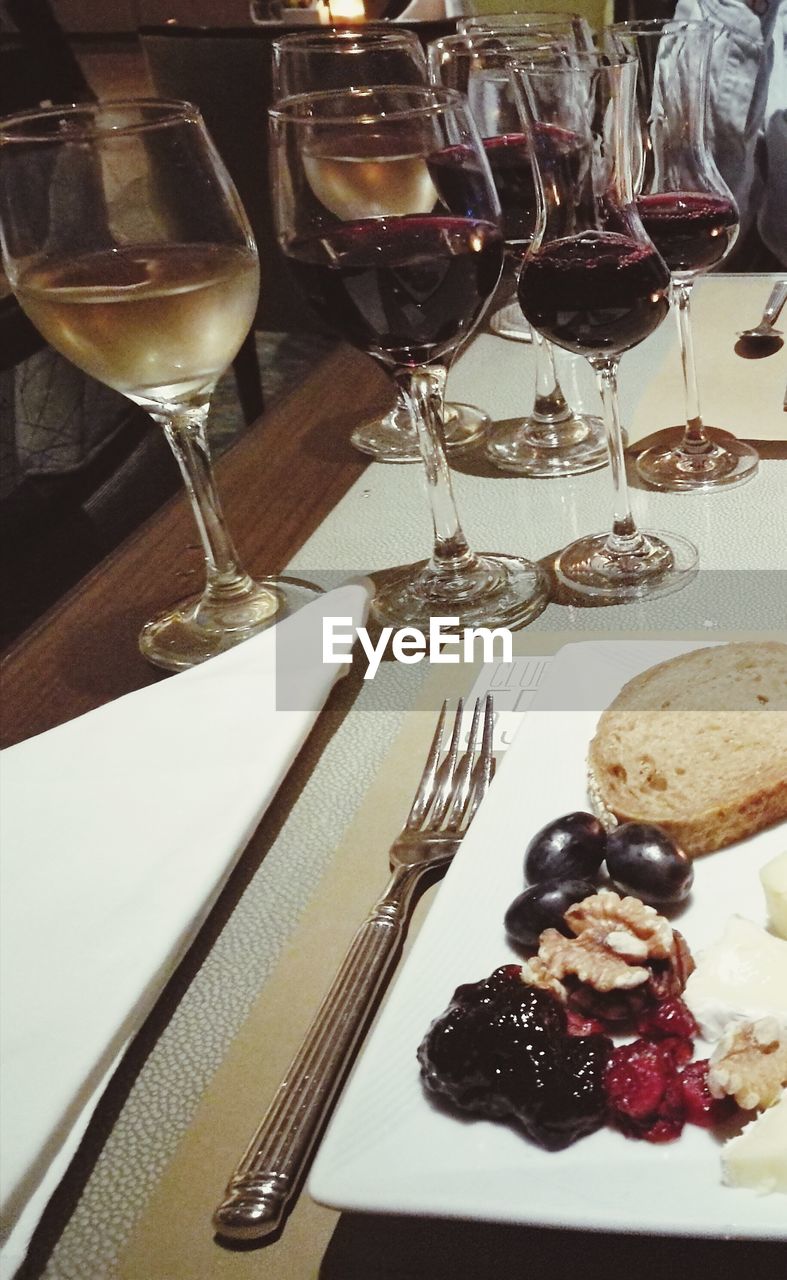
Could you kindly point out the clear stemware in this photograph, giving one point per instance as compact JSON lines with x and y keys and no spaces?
{"x":556,"y":23}
{"x":406,"y":285}
{"x":553,"y":439}
{"x":690,"y":215}
{"x":594,"y":283}
{"x":126,"y":244}
{"x":347,"y":57}
{"x":507,"y":320}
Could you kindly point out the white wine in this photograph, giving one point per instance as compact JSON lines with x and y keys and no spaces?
{"x":158,"y":322}
{"x":374,"y":178}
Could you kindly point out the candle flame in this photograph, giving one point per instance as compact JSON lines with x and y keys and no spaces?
{"x":346,"y":10}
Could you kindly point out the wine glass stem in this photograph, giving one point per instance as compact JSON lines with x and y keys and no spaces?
{"x":625,"y":537}
{"x":695,"y":439}
{"x":423,"y":391}
{"x":186,"y":433}
{"x":550,"y":404}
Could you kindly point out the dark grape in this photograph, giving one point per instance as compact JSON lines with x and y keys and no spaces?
{"x":642,"y":860}
{"x":570,"y":848}
{"x":543,"y":907}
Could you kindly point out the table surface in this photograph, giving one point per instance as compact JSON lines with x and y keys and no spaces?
{"x":137,"y":1200}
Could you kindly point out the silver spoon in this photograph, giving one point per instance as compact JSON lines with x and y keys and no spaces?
{"x":763,"y":338}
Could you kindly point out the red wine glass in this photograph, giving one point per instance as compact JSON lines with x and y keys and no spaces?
{"x":690,"y":215}
{"x":406,"y":285}
{"x":594,"y":284}
{"x":553,"y":439}
{"x":507,"y":320}
{"x":347,"y":57}
{"x":126,"y":244}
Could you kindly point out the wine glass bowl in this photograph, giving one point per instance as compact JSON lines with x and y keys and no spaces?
{"x":690,"y":215}
{"x":553,"y":439}
{"x":363,"y":186}
{"x":594,"y":284}
{"x":539,"y":26}
{"x":126,"y":245}
{"x":343,"y":58}
{"x":574,"y":26}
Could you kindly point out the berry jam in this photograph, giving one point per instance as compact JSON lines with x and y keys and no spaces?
{"x":502,"y":1050}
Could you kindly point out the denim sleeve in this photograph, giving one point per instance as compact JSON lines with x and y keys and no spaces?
{"x":748,"y":108}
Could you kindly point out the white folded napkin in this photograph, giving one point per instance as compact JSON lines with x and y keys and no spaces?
{"x":117,"y":832}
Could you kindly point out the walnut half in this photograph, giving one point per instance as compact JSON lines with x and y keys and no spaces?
{"x":749,"y":1063}
{"x":622,"y":952}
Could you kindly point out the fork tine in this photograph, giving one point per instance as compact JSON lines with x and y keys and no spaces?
{"x":447,"y":771}
{"x":484,"y":770}
{"x":426,"y":787}
{"x":462,"y":782}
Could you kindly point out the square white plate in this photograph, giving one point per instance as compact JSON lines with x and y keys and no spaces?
{"x":388,"y":1149}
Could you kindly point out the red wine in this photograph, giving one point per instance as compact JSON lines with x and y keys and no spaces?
{"x":692,"y":231}
{"x":407,"y":290}
{"x":594,"y":293}
{"x":512,"y":170}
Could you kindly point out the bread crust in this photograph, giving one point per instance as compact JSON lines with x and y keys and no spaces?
{"x":698,"y":745}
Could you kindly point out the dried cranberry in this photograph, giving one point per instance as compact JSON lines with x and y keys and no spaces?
{"x":681,"y":1051}
{"x":672,"y":1024}
{"x":669,"y":1017}
{"x":701,"y":1107}
{"x":644,"y":1091}
{"x":502,"y":1050}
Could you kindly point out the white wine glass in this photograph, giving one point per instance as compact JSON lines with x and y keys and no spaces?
{"x":406,"y":287}
{"x":553,"y":439}
{"x":127,"y":246}
{"x":344,"y":58}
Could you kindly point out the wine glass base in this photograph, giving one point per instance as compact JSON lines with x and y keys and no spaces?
{"x":569,"y":447}
{"x":496,"y":591}
{"x":727,"y":461}
{"x":657,"y":564}
{"x":392,"y":438}
{"x":508,"y":322}
{"x":197,"y":628}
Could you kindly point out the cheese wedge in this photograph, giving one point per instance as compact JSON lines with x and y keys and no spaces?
{"x":774,"y":881}
{"x":740,"y":978}
{"x":757,"y":1157}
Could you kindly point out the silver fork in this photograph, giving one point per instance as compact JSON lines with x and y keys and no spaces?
{"x":269,"y":1172}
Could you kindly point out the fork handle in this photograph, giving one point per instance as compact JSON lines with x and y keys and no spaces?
{"x":269,"y":1171}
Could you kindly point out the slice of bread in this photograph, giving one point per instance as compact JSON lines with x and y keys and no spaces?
{"x":698,"y":745}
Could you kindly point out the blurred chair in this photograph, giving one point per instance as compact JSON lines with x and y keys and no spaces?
{"x":80,"y":465}
{"x":227,"y":74}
